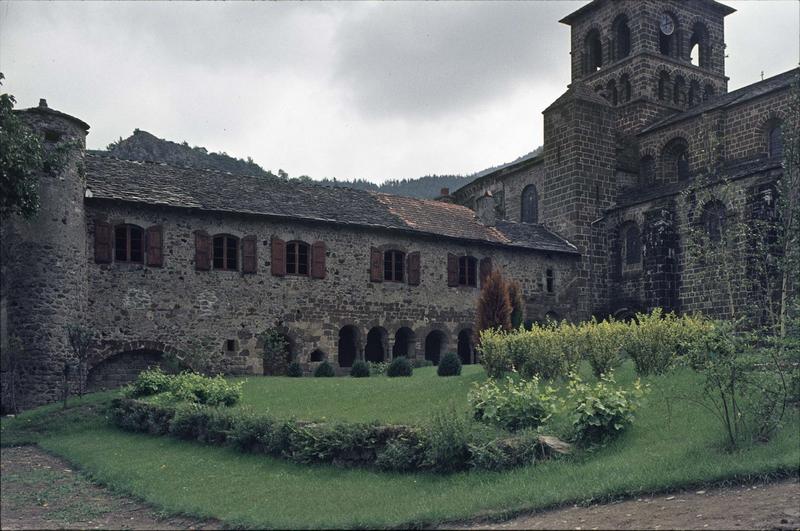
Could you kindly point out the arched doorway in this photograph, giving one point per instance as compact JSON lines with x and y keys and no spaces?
{"x":404,"y":343}
{"x":317,"y":356}
{"x":434,"y":345}
{"x":465,"y":346}
{"x":377,"y":345}
{"x":121,"y":369}
{"x":347,"y":346}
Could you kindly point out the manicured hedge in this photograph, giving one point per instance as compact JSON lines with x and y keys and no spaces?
{"x":386,"y":447}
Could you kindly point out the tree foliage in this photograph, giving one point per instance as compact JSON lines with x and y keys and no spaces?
{"x":494,"y":306}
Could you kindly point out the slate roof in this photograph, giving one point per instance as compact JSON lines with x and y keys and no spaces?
{"x":730,"y":99}
{"x":161,"y":184}
{"x":530,"y":159}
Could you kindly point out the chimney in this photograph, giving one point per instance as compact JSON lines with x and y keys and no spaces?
{"x":444,"y":196}
{"x":484,"y":208}
{"x":42,"y":103}
{"x":445,"y":192}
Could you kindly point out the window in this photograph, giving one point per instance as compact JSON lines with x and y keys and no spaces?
{"x":230,"y":345}
{"x":593,"y":51}
{"x":611,"y":92}
{"x":774,"y":140}
{"x":225,"y":251}
{"x":393,"y":262}
{"x":676,"y":160}
{"x":297,"y":258}
{"x":631,"y":245}
{"x":663,"y":86}
{"x":647,"y":166}
{"x":667,"y":36}
{"x":698,"y":45}
{"x":625,"y":88}
{"x":708,"y":92}
{"x":128,"y":243}
{"x":694,"y":93}
{"x":713,"y":220}
{"x":467,"y":271}
{"x":530,"y":205}
{"x":679,"y":91}
{"x":550,"y":280}
{"x":622,"y":37}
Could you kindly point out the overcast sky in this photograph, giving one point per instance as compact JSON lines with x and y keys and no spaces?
{"x":346,"y":90}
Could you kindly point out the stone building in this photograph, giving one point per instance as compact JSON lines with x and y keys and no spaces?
{"x":157,"y":259}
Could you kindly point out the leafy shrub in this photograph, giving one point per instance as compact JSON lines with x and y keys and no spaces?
{"x":603,"y":345}
{"x":602,"y":410}
{"x":257,"y":434}
{"x":399,"y":367}
{"x":494,"y":353}
{"x":418,"y":363}
{"x":275,"y":351}
{"x":401,"y":454}
{"x":203,"y":424}
{"x":324,"y":370}
{"x":186,"y":386}
{"x":505,"y":453}
{"x":135,"y":415}
{"x":377,"y":368}
{"x":515,"y":405}
{"x":340,"y":443}
{"x":294,"y":370}
{"x":450,"y":365}
{"x":360,"y":370}
{"x":446,"y":443}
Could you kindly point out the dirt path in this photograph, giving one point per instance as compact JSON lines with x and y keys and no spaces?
{"x":39,"y":491}
{"x":764,"y":506}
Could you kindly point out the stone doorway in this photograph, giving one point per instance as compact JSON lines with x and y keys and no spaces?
{"x":434,"y":345}
{"x":121,"y":369}
{"x":347,"y":346}
{"x":466,"y":349}
{"x":404,"y":343}
{"x":377,"y":345}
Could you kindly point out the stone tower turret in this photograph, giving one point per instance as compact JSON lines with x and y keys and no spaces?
{"x":44,"y":264}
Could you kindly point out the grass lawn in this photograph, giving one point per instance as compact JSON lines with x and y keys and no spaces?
{"x":673,"y":443}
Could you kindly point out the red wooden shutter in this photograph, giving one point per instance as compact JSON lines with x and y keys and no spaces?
{"x":202,"y":250}
{"x":318,"y":260}
{"x":452,"y":270}
{"x":485,"y":268}
{"x":278,"y":257}
{"x":155,"y":246}
{"x":102,"y":242}
{"x":413,"y":269}
{"x":375,"y":265}
{"x":249,"y":256}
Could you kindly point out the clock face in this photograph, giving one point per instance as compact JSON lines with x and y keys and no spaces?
{"x":666,"y":24}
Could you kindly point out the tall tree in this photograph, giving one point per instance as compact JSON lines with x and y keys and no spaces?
{"x":494,"y":307}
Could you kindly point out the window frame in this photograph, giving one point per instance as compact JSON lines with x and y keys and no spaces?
{"x":550,"y":280}
{"x":129,"y":227}
{"x":226,"y":252}
{"x":714,"y":220}
{"x":293,"y":249}
{"x":467,"y":271}
{"x":529,"y":205}
{"x":627,"y":258}
{"x":395,"y":259}
{"x":774,"y":142}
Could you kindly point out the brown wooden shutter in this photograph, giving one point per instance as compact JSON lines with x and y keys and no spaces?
{"x":102,"y":242}
{"x":485,"y":268}
{"x":318,"y":260}
{"x":202,"y":250}
{"x":249,"y":255}
{"x":413,"y":269}
{"x":375,"y":265}
{"x":278,"y":257}
{"x":452,"y":270}
{"x":155,"y":246}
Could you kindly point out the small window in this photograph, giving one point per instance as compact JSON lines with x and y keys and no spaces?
{"x":622,"y":36}
{"x":226,"y":251}
{"x":611,"y":92}
{"x":775,"y":141}
{"x":530,"y":205}
{"x":393,"y":262}
{"x":676,"y":160}
{"x":128,"y":243}
{"x":694,"y":93}
{"x":467,"y":271}
{"x":297,"y":258}
{"x":708,"y":92}
{"x":713,"y":220}
{"x":632,"y":245}
{"x":679,"y":91}
{"x":230,"y":345}
{"x":663,"y":86}
{"x":550,"y":280}
{"x":52,"y":136}
{"x":594,"y":52}
{"x":316,"y":356}
{"x":699,"y":46}
{"x":625,"y":88}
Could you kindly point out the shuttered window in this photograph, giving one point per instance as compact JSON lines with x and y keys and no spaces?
{"x":467,"y":271}
{"x":318,"y":260}
{"x":128,"y":243}
{"x":452,"y":270}
{"x":249,"y":257}
{"x":202,"y":251}
{"x":297,"y":258}
{"x":414,"y":269}
{"x":155,"y":243}
{"x":278,"y":257}
{"x":102,"y":242}
{"x":225,"y":252}
{"x":393,"y":266}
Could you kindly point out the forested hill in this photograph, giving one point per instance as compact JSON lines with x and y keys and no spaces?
{"x":145,"y":146}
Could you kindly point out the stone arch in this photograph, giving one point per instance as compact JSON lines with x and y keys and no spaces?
{"x":621,"y":37}
{"x":466,"y":346}
{"x":664,"y":89}
{"x":348,"y":346}
{"x":670,"y":45}
{"x":405,"y":343}
{"x":772,"y":135}
{"x":377,"y":347}
{"x":435,"y":345}
{"x":593,"y":50}
{"x":700,"y":45}
{"x":116,"y":363}
{"x":675,"y":159}
{"x":529,"y":211}
{"x":679,"y":90}
{"x":317,"y":355}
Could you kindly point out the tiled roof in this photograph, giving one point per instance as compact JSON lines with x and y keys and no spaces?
{"x":730,"y":99}
{"x":532,"y":158}
{"x":161,"y":184}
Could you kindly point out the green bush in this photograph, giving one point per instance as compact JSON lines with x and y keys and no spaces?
{"x":603,"y":344}
{"x":185,"y":387}
{"x":294,"y":370}
{"x":339,"y":443}
{"x":494,"y":352}
{"x":377,"y":368}
{"x":505,"y":453}
{"x":418,"y":363}
{"x":399,"y":367}
{"x":258,"y":434}
{"x":360,"y":370}
{"x":401,"y":454}
{"x":516,"y":405}
{"x":135,"y":415}
{"x":203,"y":424}
{"x":450,"y":365}
{"x":324,"y":370}
{"x":446,"y":442}
{"x":602,"y":410}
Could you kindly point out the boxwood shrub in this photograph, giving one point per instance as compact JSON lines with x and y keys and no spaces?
{"x":450,"y":365}
{"x":294,"y":370}
{"x":360,"y":369}
{"x":399,"y":367}
{"x":324,"y":370}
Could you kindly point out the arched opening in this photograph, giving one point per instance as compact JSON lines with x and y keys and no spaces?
{"x":434,"y":345}
{"x":466,"y":349}
{"x":316,"y":356}
{"x":699,"y":45}
{"x":679,"y":91}
{"x":622,"y":38}
{"x":694,"y":93}
{"x":530,"y":205}
{"x":347,"y":346}
{"x":663,"y":86}
{"x":631,"y":247}
{"x":121,"y":369}
{"x":668,"y":35}
{"x":625,"y":88}
{"x":647,"y":166}
{"x":676,"y":160}
{"x":404,"y":343}
{"x":708,"y":92}
{"x":594,"y":52}
{"x":774,"y":139}
{"x":376,"y":348}
{"x":611,"y":91}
